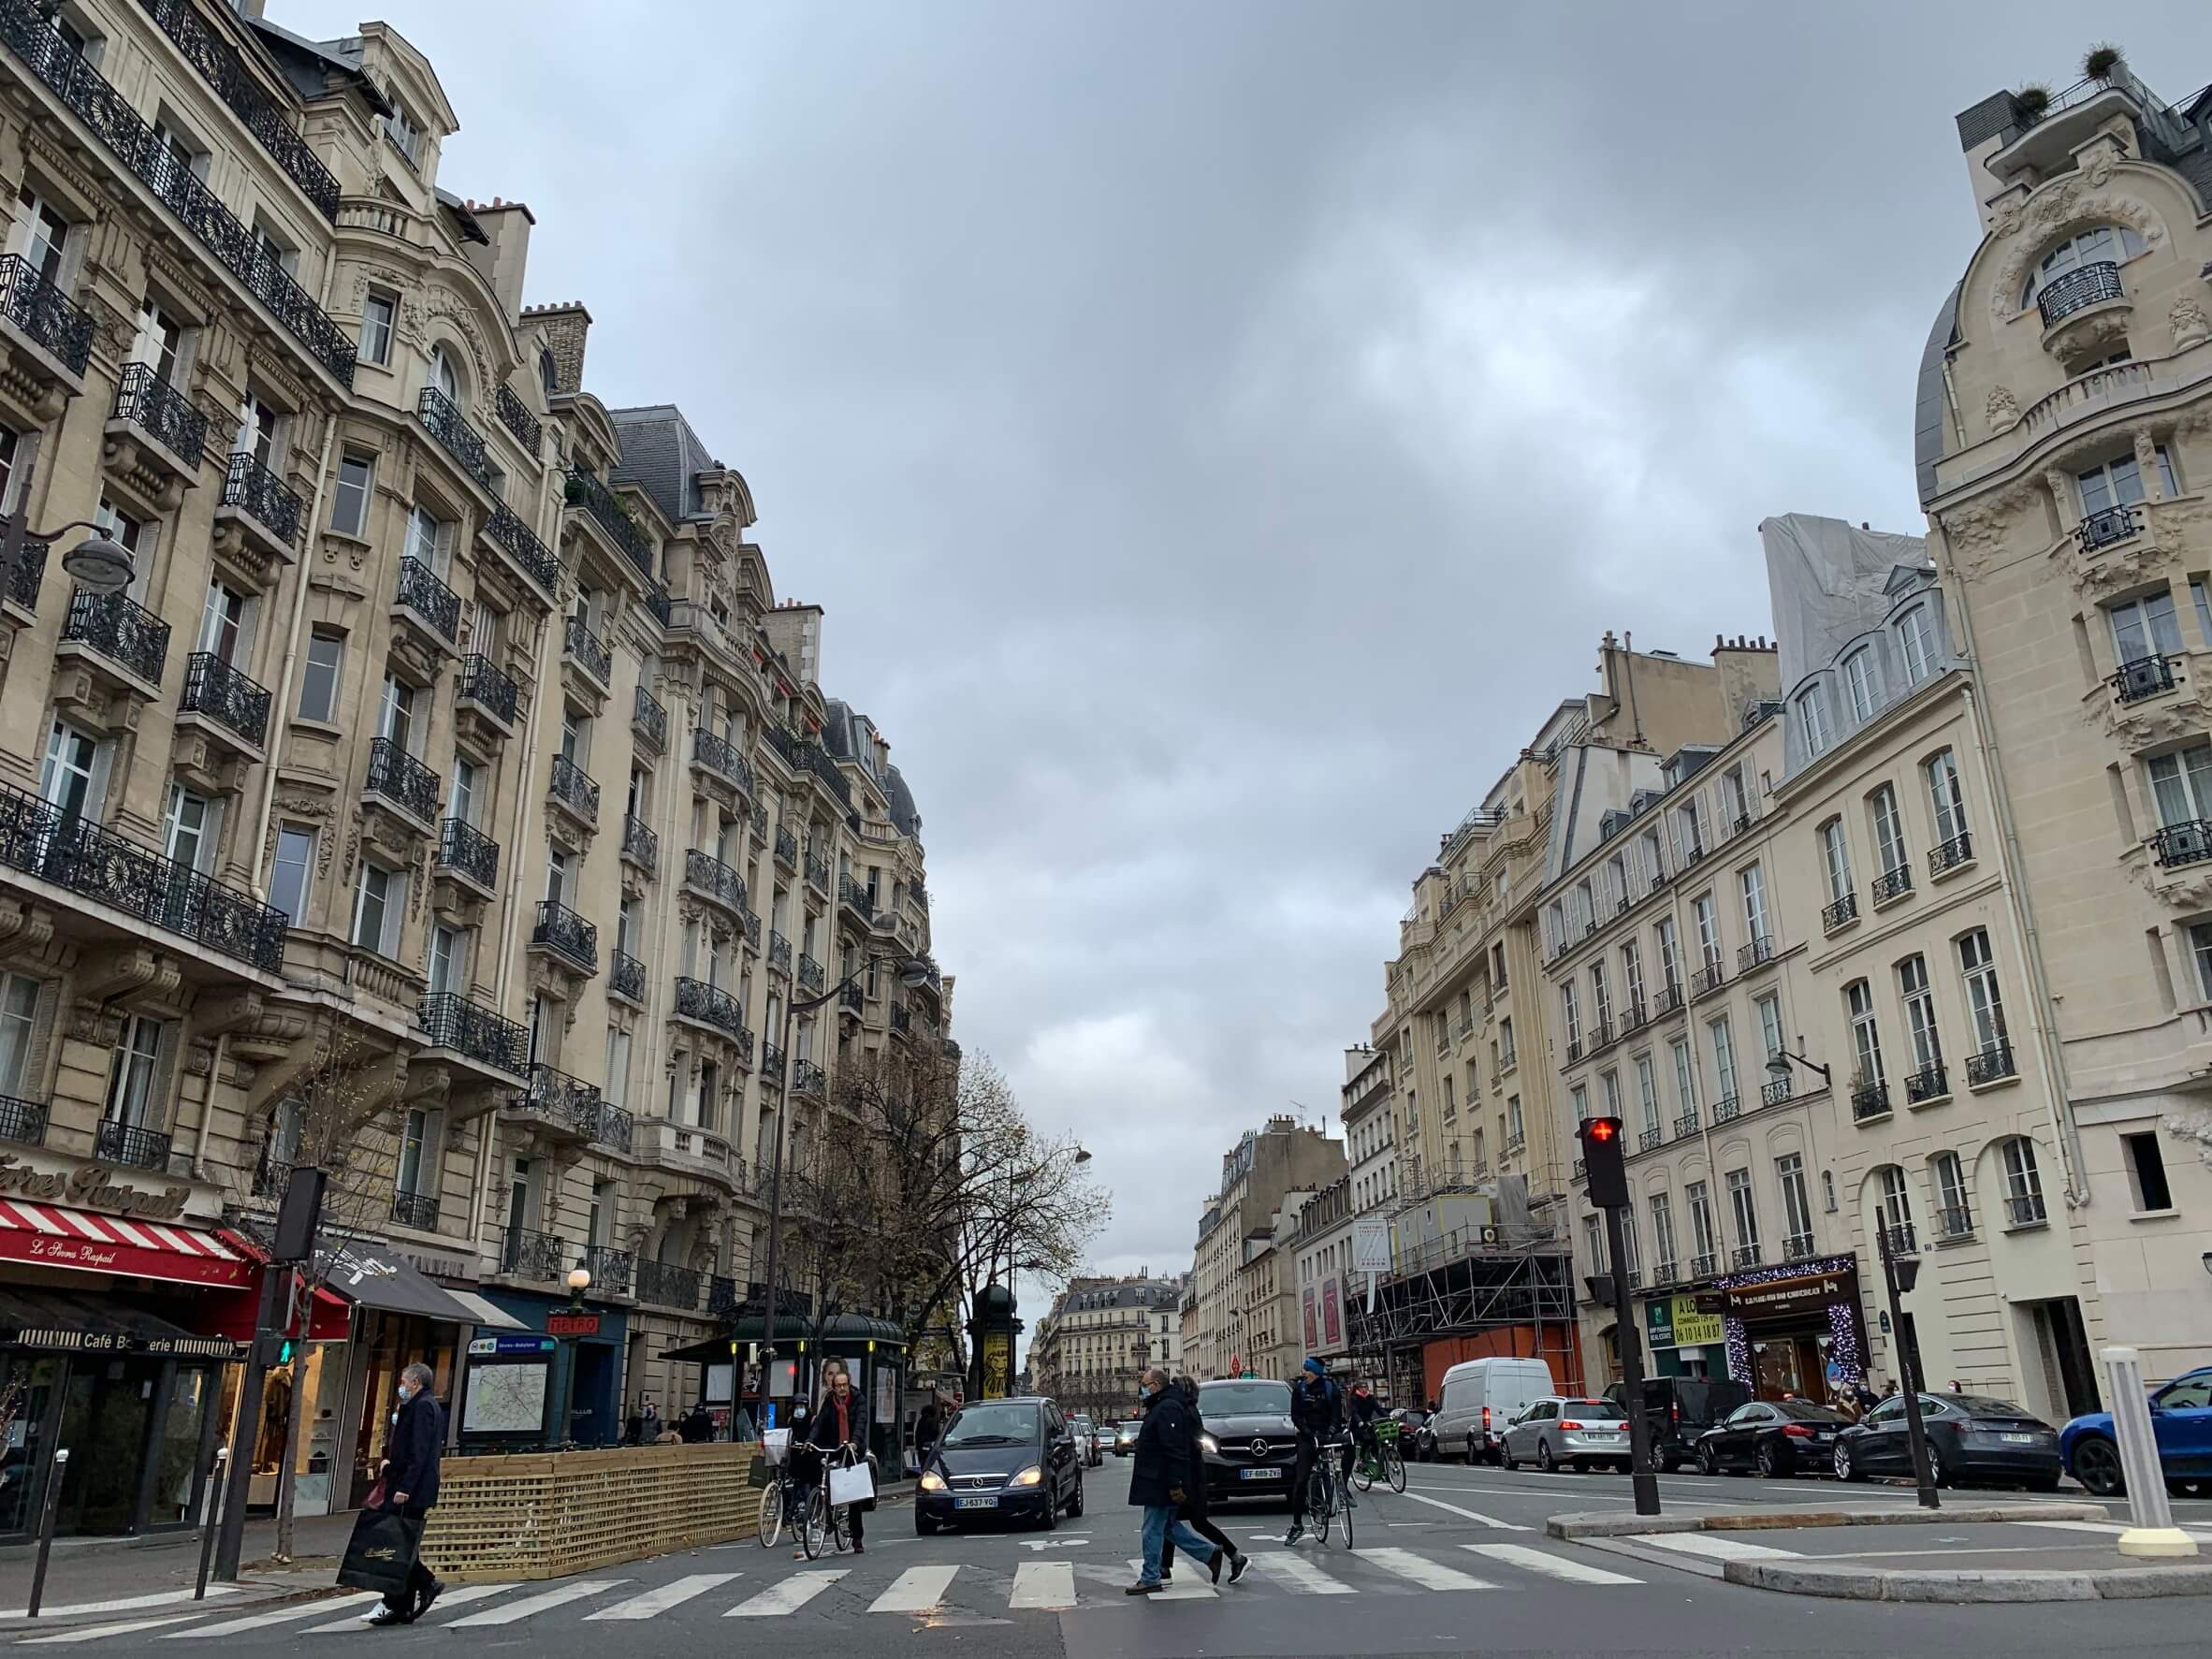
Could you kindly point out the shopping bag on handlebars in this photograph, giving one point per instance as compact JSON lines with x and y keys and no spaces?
{"x":855,"y":1485}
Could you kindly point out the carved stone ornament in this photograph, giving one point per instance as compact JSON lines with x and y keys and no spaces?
{"x":2190,"y":324}
{"x":2002,"y":408}
{"x":96,"y":1025}
{"x":2097,"y":165}
{"x":2165,"y":718}
{"x":2055,"y":211}
{"x":2192,"y":1123}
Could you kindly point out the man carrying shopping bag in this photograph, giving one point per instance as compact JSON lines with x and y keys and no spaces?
{"x":838,"y":1423}
{"x":385,"y":1551}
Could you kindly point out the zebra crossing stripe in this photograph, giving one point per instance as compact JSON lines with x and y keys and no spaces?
{"x":787,"y":1598}
{"x":93,"y":1633}
{"x":1047,"y":1584}
{"x":1552,"y":1567}
{"x":452,"y":1598}
{"x":1712,"y":1546}
{"x":918,"y":1589}
{"x":1429,"y":1575}
{"x":1198,"y":1588}
{"x":653,"y":1603}
{"x":283,"y":1616}
{"x":1296,"y":1572}
{"x":530,"y":1606}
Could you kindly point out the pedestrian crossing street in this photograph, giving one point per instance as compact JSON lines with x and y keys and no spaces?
{"x":862,"y":1586}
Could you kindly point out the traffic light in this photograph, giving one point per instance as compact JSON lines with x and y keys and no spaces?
{"x":1601,"y":1157}
{"x":272,"y":1348}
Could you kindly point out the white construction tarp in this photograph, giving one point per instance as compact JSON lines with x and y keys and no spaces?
{"x":1827,"y":579}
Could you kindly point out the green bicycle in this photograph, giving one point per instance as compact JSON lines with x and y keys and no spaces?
{"x":1384,"y":1462}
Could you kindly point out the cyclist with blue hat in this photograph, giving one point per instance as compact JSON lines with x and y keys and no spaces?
{"x":1315,"y":1406}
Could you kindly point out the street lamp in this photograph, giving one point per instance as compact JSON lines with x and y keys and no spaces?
{"x":98,"y":564}
{"x":1781,"y":1060}
{"x":1898,"y":1276}
{"x":579,"y":1281}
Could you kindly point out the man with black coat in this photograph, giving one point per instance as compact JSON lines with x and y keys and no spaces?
{"x":410,"y":1479}
{"x":1159,"y":1480}
{"x":1315,"y":1408}
{"x":1194,"y":1496}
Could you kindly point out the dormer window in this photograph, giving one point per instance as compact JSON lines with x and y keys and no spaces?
{"x":548,"y":373}
{"x":1858,"y":678}
{"x":1812,"y":720}
{"x":398,"y":126}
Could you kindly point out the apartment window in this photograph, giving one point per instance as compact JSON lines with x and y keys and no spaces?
{"x":1897,"y":1196}
{"x":1601,"y":1001}
{"x":189,"y":830}
{"x":1701,"y":1234}
{"x":1865,"y":1040}
{"x":43,"y":234}
{"x":1827,"y":1191}
{"x":615,"y":1090}
{"x":1670,"y":961}
{"x":466,"y":794}
{"x":223,"y":622}
{"x":1497,"y":968}
{"x":1608,"y":1094}
{"x":396,"y":712}
{"x":2146,"y":1164}
{"x":1797,"y":1203}
{"x":1513,"y":1125}
{"x":428,"y":540}
{"x":1917,"y":642}
{"x":318,"y":684}
{"x":2197,"y":592}
{"x":1580,"y":1097}
{"x":133,"y":1070}
{"x":1594,"y":1241}
{"x":1812,"y":720}
{"x":1953,"y":1218}
{"x":1858,"y":681}
{"x":290,"y":879}
{"x":1769,"y":1013}
{"x":1944,"y":796}
{"x":1709,"y":929}
{"x":134,"y":533}
{"x":1556,"y":925}
{"x":1889,"y":830}
{"x":1724,"y":1056}
{"x":380,"y":900}
{"x":625,"y":928}
{"x":1570,"y":1012}
{"x":2182,"y":785}
{"x":1647,"y":1093}
{"x":1632,"y":973}
{"x":73,"y":775}
{"x":378,"y":312}
{"x":710,"y":1095}
{"x":1920,"y":1016}
{"x":2023,"y":1183}
{"x":1450,"y":1105}
{"x":2106,"y":244}
{"x":1662,"y":1210}
{"x":449,"y":959}
{"x":1744,"y":1211}
{"x":2199,"y":944}
{"x":1505,"y":1042}
{"x":400,"y":127}
{"x":414,"y":1161}
{"x":2118,"y":482}
{"x":1985,"y":1006}
{"x":1688,"y":836}
{"x":556,"y":874}
{"x":19,"y":1019}
{"x":160,"y":340}
{"x":1754,"y":880}
{"x":1685,"y":1081}
{"x":2147,"y":627}
{"x":1630,"y":1259}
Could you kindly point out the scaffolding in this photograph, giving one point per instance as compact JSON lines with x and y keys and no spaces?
{"x":1464,"y":1284}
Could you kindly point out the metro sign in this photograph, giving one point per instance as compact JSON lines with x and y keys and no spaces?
{"x":571,"y":1324}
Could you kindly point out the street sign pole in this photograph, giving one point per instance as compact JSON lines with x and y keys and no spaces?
{"x":1630,"y":1342}
{"x":1915,"y":1431}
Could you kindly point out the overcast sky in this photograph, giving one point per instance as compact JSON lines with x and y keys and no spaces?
{"x":1218,"y":432}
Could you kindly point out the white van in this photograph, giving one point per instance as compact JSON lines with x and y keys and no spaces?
{"x":1480,"y":1397}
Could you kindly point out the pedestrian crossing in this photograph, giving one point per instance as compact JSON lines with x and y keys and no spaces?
{"x":865,"y":1591}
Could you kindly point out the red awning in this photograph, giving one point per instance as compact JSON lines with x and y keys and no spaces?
{"x":233,"y":1312}
{"x":55,"y":1235}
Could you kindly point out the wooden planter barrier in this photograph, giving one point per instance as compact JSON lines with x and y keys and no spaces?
{"x":546,"y":1515}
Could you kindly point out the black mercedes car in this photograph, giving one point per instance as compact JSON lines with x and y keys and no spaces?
{"x":1970,"y":1437}
{"x":1773,"y":1436}
{"x":1248,"y":1442}
{"x":1001,"y":1460}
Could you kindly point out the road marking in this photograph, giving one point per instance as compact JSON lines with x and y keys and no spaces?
{"x":1712,"y":1546}
{"x":93,"y":1633}
{"x":1072,"y":1541}
{"x":1299,"y":1573}
{"x":1552,"y":1567}
{"x":1475,"y":1515}
{"x":918,"y":1589}
{"x":787,"y":1598}
{"x":1429,"y":1575}
{"x":653,"y":1603}
{"x":1043,"y":1584}
{"x":2107,"y":1528}
{"x":1199,"y":1589}
{"x":452,"y":1598}
{"x":283,"y":1616}
{"x":530,"y":1606}
{"x":127,"y":1604}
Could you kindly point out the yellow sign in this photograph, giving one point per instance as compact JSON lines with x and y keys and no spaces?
{"x":997,"y":1364}
{"x":1692,"y":1327}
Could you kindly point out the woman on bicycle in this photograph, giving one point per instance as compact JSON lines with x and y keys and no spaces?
{"x":837,"y":1423}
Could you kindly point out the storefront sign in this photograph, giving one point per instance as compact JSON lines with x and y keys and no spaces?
{"x":1659,"y":1323}
{"x":1801,"y":1294}
{"x":482,"y":1346}
{"x":116,"y":1341}
{"x":90,"y":1186}
{"x":571,"y":1324}
{"x":1692,"y":1329}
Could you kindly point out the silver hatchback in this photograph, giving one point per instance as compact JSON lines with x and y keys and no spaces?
{"x":1557,"y":1430}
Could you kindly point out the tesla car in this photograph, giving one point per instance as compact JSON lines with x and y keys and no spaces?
{"x":1970,"y":1437}
{"x":2180,"y":1421}
{"x":1001,"y":1460}
{"x":1772,"y":1436}
{"x":1559,"y":1431}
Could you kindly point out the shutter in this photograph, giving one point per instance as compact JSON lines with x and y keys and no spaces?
{"x":38,"y":1081}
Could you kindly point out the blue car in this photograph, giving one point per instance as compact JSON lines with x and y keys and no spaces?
{"x":2180,"y":1418}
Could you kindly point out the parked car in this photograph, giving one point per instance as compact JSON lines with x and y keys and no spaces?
{"x":1480,"y":1397}
{"x":1680,"y":1409}
{"x":1773,"y":1436}
{"x":1970,"y":1437}
{"x":1001,"y":1460}
{"x":1249,"y":1441}
{"x":1560,"y":1431}
{"x":1125,"y":1437}
{"x":2180,"y":1421}
{"x":1087,"y":1440}
{"x":1417,"y":1437}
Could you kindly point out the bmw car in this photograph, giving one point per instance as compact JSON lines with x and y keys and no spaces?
{"x":1247,"y":1438}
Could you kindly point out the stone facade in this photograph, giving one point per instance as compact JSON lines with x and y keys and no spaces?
{"x":1099,"y":1337}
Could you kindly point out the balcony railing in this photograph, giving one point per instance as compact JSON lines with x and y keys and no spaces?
{"x":1728,"y":1109}
{"x":131,"y":1146}
{"x":565,"y":1099}
{"x":560,"y":929}
{"x":520,"y":543}
{"x":23,"y":1122}
{"x":1992,"y":1063}
{"x":1930,"y":1082}
{"x":1903,"y":1240}
{"x":849,"y":996}
{"x":1949,"y":855}
{"x":1668,"y":1000}
{"x":640,"y":845}
{"x":666,"y":1285}
{"x":648,"y":720}
{"x":261,"y":495}
{"x":1893,"y":884}
{"x":1686,"y":1125}
{"x":423,"y":592}
{"x":522,"y":426}
{"x":1796,"y":1246}
{"x":1841,"y":914}
{"x":901,"y":1020}
{"x":612,"y":1271}
{"x":810,"y":975}
{"x":418,"y":1210}
{"x":402,"y":780}
{"x":817,"y":873}
{"x":1869,"y":1100}
{"x":450,"y":1020}
{"x":40,"y":840}
{"x":596,"y":499}
{"x":120,"y":630}
{"x":29,"y":574}
{"x":695,"y":999}
{"x":806,"y":1078}
{"x":2146,"y":676}
{"x":465,"y":847}
{"x":1954,"y":1221}
{"x":1750,"y":954}
{"x":2173,"y":845}
{"x":716,"y":879}
{"x":1650,"y":1138}
{"x":1704,"y":1267}
{"x":441,"y":418}
{"x":2105,"y":527}
{"x":483,"y":683}
{"x":625,"y":976}
{"x":215,"y":689}
{"x":772,"y":1064}
{"x":1633,"y":1019}
{"x":584,"y":647}
{"x":854,"y":896}
{"x":789,"y":745}
{"x":758,"y":822}
{"x":234,"y":84}
{"x":96,"y":102}
{"x":2024,"y":1209}
{"x":748,"y":923}
{"x":162,"y":412}
{"x":1747,"y":1255}
{"x":722,"y":1295}
{"x":718,"y":755}
{"x":787,"y":848}
{"x":45,"y":314}
{"x":778,"y":951}
{"x":574,"y":789}
{"x":1775,"y":1093}
{"x":2083,"y":286}
{"x":528,"y":1255}
{"x":1574,"y":1050}
{"x":1709,"y":978}
{"x":657,"y":603}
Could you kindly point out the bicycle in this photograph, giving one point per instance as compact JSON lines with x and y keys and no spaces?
{"x":1383,"y":1461}
{"x":783,"y":1502}
{"x":1326,"y":1498}
{"x":824,"y":1521}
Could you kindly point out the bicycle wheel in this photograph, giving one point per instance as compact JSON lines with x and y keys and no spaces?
{"x":1343,"y":1519}
{"x":814,"y":1525}
{"x":771,"y":1524}
{"x":1394,"y":1467}
{"x":1363,"y":1472}
{"x":836,"y":1527}
{"x":1320,"y":1505}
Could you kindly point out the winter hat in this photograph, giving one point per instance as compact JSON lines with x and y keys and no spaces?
{"x":1315,"y":1366}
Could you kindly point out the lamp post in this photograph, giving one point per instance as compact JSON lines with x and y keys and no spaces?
{"x":1898,"y":1276}
{"x":98,"y":564}
{"x":1781,"y":1060}
{"x":579,"y":1281}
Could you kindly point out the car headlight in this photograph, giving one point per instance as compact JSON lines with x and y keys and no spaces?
{"x":1208,"y":1443}
{"x":1029,"y":1476}
{"x":932,"y":1480}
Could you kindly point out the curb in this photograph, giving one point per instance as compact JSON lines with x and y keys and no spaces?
{"x":1876,"y":1584}
{"x":1611,"y":1525}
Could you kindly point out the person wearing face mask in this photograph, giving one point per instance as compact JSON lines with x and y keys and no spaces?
{"x":409,"y":1479}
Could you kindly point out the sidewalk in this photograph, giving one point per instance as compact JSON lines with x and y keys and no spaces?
{"x":97,"y":1578}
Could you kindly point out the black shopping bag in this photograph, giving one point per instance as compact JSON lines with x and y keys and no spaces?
{"x":381,"y":1552}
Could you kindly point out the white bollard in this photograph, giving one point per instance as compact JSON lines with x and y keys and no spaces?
{"x":2153,"y":1532}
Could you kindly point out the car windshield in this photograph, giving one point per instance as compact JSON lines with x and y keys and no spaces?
{"x":999,"y":1424}
{"x":1593,"y":1409}
{"x":1804,"y":1412}
{"x":1246,"y":1399}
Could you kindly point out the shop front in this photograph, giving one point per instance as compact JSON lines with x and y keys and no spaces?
{"x":517,"y":1384}
{"x":1785,"y":1327}
{"x":1684,"y":1341}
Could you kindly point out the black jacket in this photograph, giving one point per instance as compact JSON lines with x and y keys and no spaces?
{"x":1362,"y":1408}
{"x":1161,"y":1457}
{"x":1314,"y":1405}
{"x":821,"y":1434}
{"x":411,"y":1455}
{"x":1194,"y":1488}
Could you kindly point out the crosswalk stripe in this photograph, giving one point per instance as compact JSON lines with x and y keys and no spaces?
{"x":653,"y":1603}
{"x":1198,"y":1588}
{"x":918,"y":1589}
{"x":1043,"y":1584}
{"x":451,"y":1599}
{"x":1295,"y":1572}
{"x":2110,"y":1528}
{"x":530,"y":1606}
{"x":1552,"y":1567}
{"x":167,"y":1598}
{"x":93,"y":1633}
{"x":1473,"y":1515}
{"x":1712,"y":1546}
{"x":283,"y":1616}
{"x":787,"y":1598}
{"x":1429,"y":1575}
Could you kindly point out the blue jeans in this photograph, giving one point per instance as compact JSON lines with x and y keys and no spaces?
{"x":1160,"y":1524}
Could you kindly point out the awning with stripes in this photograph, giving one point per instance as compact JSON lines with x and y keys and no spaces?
{"x":57,"y":1235}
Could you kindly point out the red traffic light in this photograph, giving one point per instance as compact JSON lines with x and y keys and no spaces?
{"x":1602,"y":1129}
{"x":1603,"y":1156}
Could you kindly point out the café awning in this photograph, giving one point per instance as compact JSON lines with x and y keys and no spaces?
{"x":487,"y":1316}
{"x":378,"y":1278}
{"x":86,"y":1241}
{"x":62,"y":1322}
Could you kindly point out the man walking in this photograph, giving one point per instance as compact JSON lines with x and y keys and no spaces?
{"x":410,"y":1477}
{"x":1194,"y":1508}
{"x":839,"y":1424}
{"x":1161,"y":1465}
{"x":1314,"y":1409}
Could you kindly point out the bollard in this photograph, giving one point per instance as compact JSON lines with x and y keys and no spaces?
{"x":46,"y":1516}
{"x":2153,"y":1532}
{"x":210,"y":1522}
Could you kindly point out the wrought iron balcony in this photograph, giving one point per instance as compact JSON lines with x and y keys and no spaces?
{"x":818,"y":872}
{"x":849,"y":996}
{"x":826,"y":771}
{"x":441,"y":418}
{"x":584,"y":647}
{"x":215,"y":689}
{"x":612,"y":1271}
{"x":640,"y":845}
{"x":1633,"y":1019}
{"x":720,"y":756}
{"x":560,"y":929}
{"x":1686,"y":1125}
{"x":450,"y":1020}
{"x":573,"y":788}
{"x":527,"y":1255}
{"x":1893,"y":884}
{"x":120,"y":630}
{"x":616,"y":1128}
{"x":758,"y":820}
{"x":901,"y":1020}
{"x":163,"y":413}
{"x":1574,"y":1050}
{"x":1992,"y":1064}
{"x":789,"y":745}
{"x":424,"y":593}
{"x":649,"y":720}
{"x":1775,"y":1093}
{"x":1649,"y":1139}
{"x":722,"y":1296}
{"x":695,"y":999}
{"x":271,"y":1176}
{"x":810,"y":975}
{"x":522,"y":426}
{"x":1601,"y":1033}
{"x":714,"y":880}
{"x":465,"y":847}
{"x":1709,"y":978}
{"x":1954,"y":1221}
{"x":778,"y":951}
{"x":226,"y":73}
{"x":666,"y":1285}
{"x":1949,"y":855}
{"x":1704,"y":1267}
{"x":1869,"y":1100}
{"x":1752,"y":952}
{"x":30,"y":571}
{"x":1796,"y":1246}
{"x":1747,"y":1255}
{"x":748,"y":924}
{"x":40,"y":840}
{"x":2173,"y":845}
{"x":131,"y":1146}
{"x":418,"y":1210}
{"x":568,"y":1101}
{"x":854,"y":897}
{"x":662,"y":607}
{"x":110,"y":115}
{"x":585,"y":491}
{"x":520,"y":543}
{"x":1668,"y":1000}
{"x":261,"y":496}
{"x":22,"y":1121}
{"x":771,"y":1064}
{"x":483,"y":683}
{"x":1841,"y":914}
{"x":1903,"y":1241}
{"x":787,"y":848}
{"x":2025,"y":1209}
{"x":45,"y":314}
{"x":2083,"y":286}
{"x":402,"y":780}
{"x":1665,"y":1275}
{"x":2146,"y":676}
{"x":2105,"y":526}
{"x":625,"y":976}
{"x":1728,"y":1109}
{"x":1930,"y":1082}
{"x":806,"y":1078}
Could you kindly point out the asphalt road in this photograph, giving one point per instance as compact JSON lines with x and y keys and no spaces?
{"x":1459,"y":1565}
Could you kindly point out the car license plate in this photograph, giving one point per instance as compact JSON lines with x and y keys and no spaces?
{"x":2017,"y":1439}
{"x":1259,"y":1473}
{"x":983,"y":1502}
